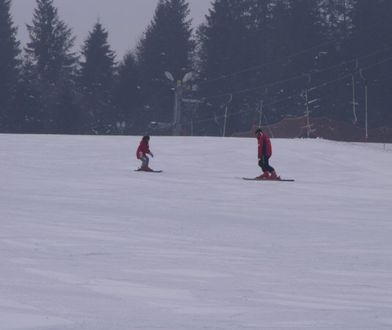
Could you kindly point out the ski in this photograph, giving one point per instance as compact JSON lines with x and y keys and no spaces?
{"x":258,"y":179}
{"x":153,"y":171}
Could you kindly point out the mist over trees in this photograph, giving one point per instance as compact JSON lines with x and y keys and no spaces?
{"x":251,"y":62}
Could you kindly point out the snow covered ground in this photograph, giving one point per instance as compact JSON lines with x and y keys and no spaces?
{"x":86,"y":243}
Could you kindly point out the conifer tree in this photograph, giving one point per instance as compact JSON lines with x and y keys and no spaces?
{"x":234,"y":38}
{"x":127,"y":95}
{"x":372,"y":23}
{"x":97,"y":79}
{"x":372,"y":35}
{"x":50,"y":51}
{"x":51,"y":43}
{"x":337,"y":18}
{"x":222,"y":40}
{"x":9,"y":67}
{"x":305,"y":31}
{"x":29,"y":116}
{"x":167,"y":45}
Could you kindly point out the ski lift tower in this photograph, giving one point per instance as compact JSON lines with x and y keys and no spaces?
{"x":178,"y":87}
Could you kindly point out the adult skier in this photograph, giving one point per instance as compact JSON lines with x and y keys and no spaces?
{"x":264,"y":152}
{"x":141,"y":153}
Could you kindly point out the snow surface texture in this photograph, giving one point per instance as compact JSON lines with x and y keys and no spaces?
{"x":86,"y":243}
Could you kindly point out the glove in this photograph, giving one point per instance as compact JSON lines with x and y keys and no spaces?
{"x":151,"y":154}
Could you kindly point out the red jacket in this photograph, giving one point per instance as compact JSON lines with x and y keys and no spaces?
{"x":143,"y":149}
{"x":265,"y":147}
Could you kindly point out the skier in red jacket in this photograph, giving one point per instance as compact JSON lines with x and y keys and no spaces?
{"x":264,"y":152}
{"x":142,"y":151}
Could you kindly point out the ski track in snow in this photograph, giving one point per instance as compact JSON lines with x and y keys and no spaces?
{"x":87,"y":243}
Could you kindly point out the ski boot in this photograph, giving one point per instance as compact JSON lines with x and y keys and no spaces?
{"x":264,"y":176}
{"x":144,"y":169}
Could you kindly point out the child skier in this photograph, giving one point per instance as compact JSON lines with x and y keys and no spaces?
{"x":264,"y":153}
{"x":142,"y":151}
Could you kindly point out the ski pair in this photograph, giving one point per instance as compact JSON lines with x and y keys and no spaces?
{"x":148,"y":171}
{"x":260,"y":179}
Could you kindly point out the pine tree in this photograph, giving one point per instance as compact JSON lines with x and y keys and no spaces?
{"x":298,"y":51}
{"x":372,"y":24}
{"x":371,"y":43}
{"x":50,"y":51}
{"x":221,"y":49}
{"x":235,"y":37}
{"x":29,"y":113}
{"x":97,"y":79}
{"x":9,"y":67}
{"x":221,"y":41}
{"x":305,"y":32}
{"x":51,"y":43}
{"x":127,"y":95}
{"x":166,"y":46}
{"x":337,"y":18}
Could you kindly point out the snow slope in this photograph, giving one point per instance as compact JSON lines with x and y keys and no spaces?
{"x":86,"y":243}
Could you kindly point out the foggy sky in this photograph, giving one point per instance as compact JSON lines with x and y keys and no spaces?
{"x":125,"y":20}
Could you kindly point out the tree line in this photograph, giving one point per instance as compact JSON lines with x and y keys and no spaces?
{"x":251,"y":62}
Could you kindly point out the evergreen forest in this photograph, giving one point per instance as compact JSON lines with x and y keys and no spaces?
{"x":250,"y":63}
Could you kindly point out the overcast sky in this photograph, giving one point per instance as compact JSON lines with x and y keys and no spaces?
{"x":125,"y":20}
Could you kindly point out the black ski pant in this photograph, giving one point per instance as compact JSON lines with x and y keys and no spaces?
{"x":264,"y":164}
